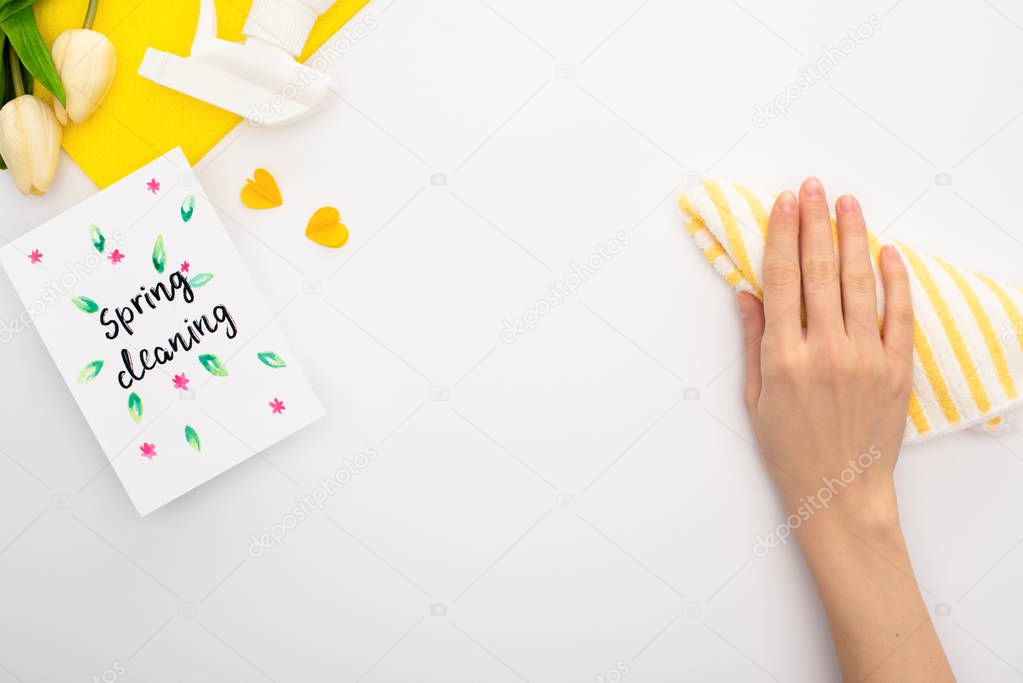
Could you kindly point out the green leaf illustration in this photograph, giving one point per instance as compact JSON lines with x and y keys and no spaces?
{"x":90,"y":371}
{"x":192,"y":438}
{"x":159,"y":255}
{"x":213,"y":365}
{"x":85,"y":304}
{"x":199,"y":279}
{"x":188,"y":208}
{"x":135,"y":407}
{"x":98,"y":240}
{"x":271,"y":359}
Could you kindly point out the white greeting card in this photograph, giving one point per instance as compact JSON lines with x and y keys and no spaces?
{"x":160,"y":333}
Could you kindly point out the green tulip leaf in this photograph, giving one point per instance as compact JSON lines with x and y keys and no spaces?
{"x":199,"y":279}
{"x":192,"y":437}
{"x":85,"y":304}
{"x":28,"y":81}
{"x":23,"y":32}
{"x":135,"y":407}
{"x":10,"y":7}
{"x":159,"y":255}
{"x":98,"y":240}
{"x":271,"y":359}
{"x":6,"y":90}
{"x":213,"y":365}
{"x":188,"y":208}
{"x":90,"y":371}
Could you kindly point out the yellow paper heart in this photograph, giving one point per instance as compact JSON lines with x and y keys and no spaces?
{"x":325,"y":228}
{"x":261,"y":191}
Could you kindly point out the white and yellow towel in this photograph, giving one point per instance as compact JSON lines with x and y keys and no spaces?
{"x":968,"y":339}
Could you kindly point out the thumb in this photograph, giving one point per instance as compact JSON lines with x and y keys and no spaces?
{"x":751,"y":311}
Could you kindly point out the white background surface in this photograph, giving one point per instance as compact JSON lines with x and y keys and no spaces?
{"x":653,"y":564}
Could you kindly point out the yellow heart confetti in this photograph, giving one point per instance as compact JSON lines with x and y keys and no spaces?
{"x":261,"y":191}
{"x":326,"y":228}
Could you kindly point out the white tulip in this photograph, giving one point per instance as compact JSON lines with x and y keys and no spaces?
{"x":85,"y":60}
{"x":30,"y":143}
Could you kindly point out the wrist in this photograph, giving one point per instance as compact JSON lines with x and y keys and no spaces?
{"x":869,"y":513}
{"x":859,"y":524}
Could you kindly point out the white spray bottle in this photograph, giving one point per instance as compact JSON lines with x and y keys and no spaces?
{"x":258,"y":78}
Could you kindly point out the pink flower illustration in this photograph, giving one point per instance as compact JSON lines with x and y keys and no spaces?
{"x":36,"y":256}
{"x":148,"y":450}
{"x":153,"y":186}
{"x":181,"y":382}
{"x":277,"y":405}
{"x":116,"y":256}
{"x":185,"y":265}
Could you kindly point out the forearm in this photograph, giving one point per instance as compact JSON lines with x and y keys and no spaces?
{"x":879,"y":623}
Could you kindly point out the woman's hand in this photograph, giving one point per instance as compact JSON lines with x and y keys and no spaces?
{"x":828,"y":405}
{"x":830,"y":399}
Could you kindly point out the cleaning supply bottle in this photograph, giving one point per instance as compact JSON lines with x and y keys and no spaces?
{"x":257,"y":78}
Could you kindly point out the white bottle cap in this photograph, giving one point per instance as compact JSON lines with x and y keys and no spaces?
{"x":285,"y":23}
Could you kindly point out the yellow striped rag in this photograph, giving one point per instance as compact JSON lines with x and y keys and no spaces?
{"x":968,"y":333}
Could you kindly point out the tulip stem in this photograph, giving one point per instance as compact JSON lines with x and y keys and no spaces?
{"x":19,"y":84}
{"x":90,"y":14}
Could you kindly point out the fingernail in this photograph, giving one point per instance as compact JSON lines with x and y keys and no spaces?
{"x":848,"y":204}
{"x":812,"y":187}
{"x":786,"y":201}
{"x":891,"y":253}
